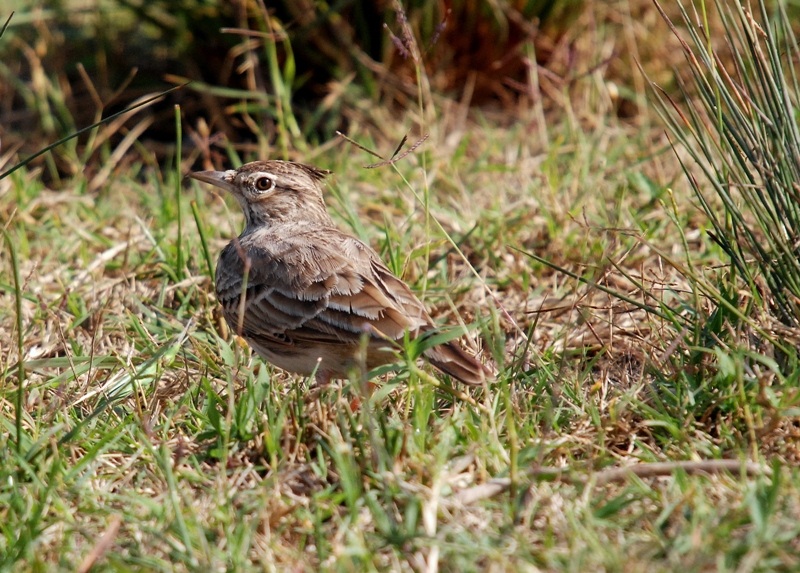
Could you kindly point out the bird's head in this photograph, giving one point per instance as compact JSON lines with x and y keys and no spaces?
{"x":274,"y":191}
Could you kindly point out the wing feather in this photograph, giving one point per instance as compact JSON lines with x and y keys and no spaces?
{"x":309,"y":289}
{"x":301,"y":288}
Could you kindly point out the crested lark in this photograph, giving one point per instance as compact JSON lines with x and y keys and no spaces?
{"x":308,"y":297}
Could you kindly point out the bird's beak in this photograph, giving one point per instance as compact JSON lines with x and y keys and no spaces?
{"x":221,"y":179}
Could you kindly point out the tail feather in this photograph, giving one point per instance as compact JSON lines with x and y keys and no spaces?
{"x":454,"y":361}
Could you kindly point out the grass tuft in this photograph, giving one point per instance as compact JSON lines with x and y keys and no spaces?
{"x":742,"y":133}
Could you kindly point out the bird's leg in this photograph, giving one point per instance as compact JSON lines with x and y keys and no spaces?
{"x":363,"y":389}
{"x":322,"y":378}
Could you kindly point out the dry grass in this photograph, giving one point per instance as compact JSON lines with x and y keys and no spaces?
{"x":153,"y":440}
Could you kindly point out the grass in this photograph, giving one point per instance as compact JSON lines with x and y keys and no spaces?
{"x":149,"y":438}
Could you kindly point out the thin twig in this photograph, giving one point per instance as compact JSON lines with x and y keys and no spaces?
{"x":357,"y":144}
{"x":102,"y":545}
{"x":497,"y":486}
{"x":395,"y":158}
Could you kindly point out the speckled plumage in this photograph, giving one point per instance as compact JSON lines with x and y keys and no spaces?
{"x":313,"y":294}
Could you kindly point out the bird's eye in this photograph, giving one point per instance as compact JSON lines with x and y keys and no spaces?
{"x":264,"y":183}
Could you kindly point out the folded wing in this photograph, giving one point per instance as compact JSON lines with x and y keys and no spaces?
{"x":324,"y":288}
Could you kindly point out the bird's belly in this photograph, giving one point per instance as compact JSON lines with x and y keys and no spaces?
{"x":290,"y":357}
{"x":334,"y":360}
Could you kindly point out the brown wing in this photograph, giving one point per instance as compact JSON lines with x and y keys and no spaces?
{"x":316,"y":285}
{"x":312,"y":286}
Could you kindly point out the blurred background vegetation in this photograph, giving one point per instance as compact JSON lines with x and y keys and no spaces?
{"x":262,"y":73}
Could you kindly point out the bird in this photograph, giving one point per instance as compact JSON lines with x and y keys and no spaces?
{"x":308,"y":297}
